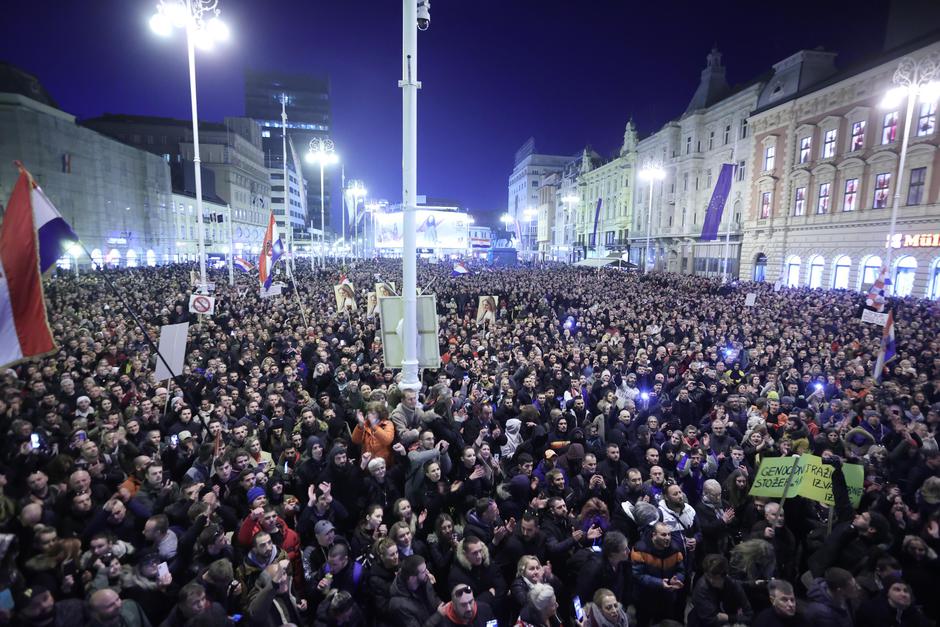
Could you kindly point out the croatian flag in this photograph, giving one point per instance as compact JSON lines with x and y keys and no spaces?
{"x":875,"y":299}
{"x":271,"y":251}
{"x":55,"y":235}
{"x":24,"y":328}
{"x":888,"y":348}
{"x":243,"y":265}
{"x":716,"y":206}
{"x":459,"y":269}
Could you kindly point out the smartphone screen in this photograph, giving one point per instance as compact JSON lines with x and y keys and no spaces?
{"x":163,"y":570}
{"x":578,"y":610}
{"x":175,"y":439}
{"x":34,"y":440}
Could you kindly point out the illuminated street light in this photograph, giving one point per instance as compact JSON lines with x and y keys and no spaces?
{"x":652,"y":173}
{"x":321,"y":151}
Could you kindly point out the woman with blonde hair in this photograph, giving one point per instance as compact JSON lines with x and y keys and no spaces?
{"x":530,"y":571}
{"x":754,"y":563}
{"x":605,"y":610}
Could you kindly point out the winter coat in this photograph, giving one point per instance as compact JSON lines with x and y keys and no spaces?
{"x":412,"y":609}
{"x":823,"y":611}
{"x":480,"y":578}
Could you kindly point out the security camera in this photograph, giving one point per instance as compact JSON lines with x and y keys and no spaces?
{"x":424,"y":14}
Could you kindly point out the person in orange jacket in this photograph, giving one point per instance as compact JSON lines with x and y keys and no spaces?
{"x":375,"y":432}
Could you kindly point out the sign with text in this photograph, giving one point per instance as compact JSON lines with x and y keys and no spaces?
{"x":811,"y":479}
{"x":874,"y":317}
{"x":751,"y":299}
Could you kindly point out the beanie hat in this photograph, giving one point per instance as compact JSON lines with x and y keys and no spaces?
{"x":254,"y":493}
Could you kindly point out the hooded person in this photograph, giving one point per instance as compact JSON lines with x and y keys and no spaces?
{"x":513,"y":438}
{"x":514,"y":496}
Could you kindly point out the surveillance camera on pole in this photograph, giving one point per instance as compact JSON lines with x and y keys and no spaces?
{"x":424,"y":14}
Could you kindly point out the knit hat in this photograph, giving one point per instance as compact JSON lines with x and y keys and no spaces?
{"x":576,"y":451}
{"x":324,"y":526}
{"x":773,"y":396}
{"x":255,"y":493}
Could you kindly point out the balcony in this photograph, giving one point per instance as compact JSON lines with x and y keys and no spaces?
{"x":617,"y":244}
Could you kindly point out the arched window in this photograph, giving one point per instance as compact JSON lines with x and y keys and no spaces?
{"x":933,"y":292}
{"x":816,"y":266}
{"x":151,"y":258}
{"x":760,"y":268}
{"x":96,"y":257}
{"x":791,"y":271}
{"x":904,"y":276}
{"x":871,"y":267}
{"x":131,"y":258}
{"x":840,"y":272}
{"x":114,"y":257}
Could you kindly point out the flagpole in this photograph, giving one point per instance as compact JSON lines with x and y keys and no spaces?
{"x":190,"y":47}
{"x":231,"y":247}
{"x":287,"y":216}
{"x":734,"y":175}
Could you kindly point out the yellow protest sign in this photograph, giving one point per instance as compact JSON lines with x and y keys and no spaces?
{"x":810,"y":478}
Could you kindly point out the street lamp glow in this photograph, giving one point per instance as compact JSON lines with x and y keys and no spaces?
{"x":161,"y":25}
{"x":321,"y":151}
{"x":530,"y":214}
{"x":507,"y":219}
{"x":894,"y":97}
{"x":218,"y":29}
{"x":75,"y":250}
{"x":930,"y":92}
{"x":652,"y":173}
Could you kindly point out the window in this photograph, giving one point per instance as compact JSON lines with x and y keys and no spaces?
{"x":727,"y":134}
{"x":840,"y":272}
{"x":927,"y":120}
{"x":765,"y":205}
{"x":740,"y":171}
{"x":904,"y":276}
{"x":934,"y":292}
{"x":744,"y":129}
{"x":882,"y":187}
{"x":769,"y":155}
{"x":760,"y":268}
{"x":816,"y":265}
{"x":688,"y":145}
{"x":711,"y":139}
{"x":889,"y":130}
{"x":915,"y":190}
{"x":829,"y":144}
{"x":799,"y":206}
{"x":871,"y":268}
{"x":858,"y":135}
{"x":849,"y":201}
{"x":822,"y":204}
{"x":806,"y":146}
{"x":792,"y":273}
{"x":609,"y":238}
{"x":685,"y":182}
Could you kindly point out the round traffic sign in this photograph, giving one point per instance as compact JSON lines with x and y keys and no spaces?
{"x":202,"y":304}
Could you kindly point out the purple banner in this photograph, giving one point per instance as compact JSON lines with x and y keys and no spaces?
{"x":716,"y":205}
{"x":597,"y":215}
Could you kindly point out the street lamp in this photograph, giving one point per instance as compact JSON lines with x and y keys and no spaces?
{"x":321,"y":151}
{"x":912,"y":78}
{"x":651,"y":173}
{"x":203,"y":27}
{"x":356,"y":191}
{"x":529,"y":214}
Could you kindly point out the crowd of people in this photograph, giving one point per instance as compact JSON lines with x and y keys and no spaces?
{"x":584,"y":456}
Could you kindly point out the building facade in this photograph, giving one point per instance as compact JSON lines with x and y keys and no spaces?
{"x":529,"y":169}
{"x":115,"y":197}
{"x":820,"y":207}
{"x":605,"y":190}
{"x":309,"y":116}
{"x":691,"y":150}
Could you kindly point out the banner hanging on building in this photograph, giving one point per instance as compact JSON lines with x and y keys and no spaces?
{"x":716,"y":206}
{"x":597,"y":216}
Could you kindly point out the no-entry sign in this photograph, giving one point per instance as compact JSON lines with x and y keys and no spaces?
{"x":202,"y":304}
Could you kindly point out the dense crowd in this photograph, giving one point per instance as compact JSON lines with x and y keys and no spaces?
{"x":583,"y":457}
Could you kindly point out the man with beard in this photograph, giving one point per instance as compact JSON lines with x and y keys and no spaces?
{"x":659,"y":571}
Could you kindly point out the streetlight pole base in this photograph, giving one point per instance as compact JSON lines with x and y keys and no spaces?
{"x":409,"y":378}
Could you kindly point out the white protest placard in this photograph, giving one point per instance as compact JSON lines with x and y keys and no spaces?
{"x":873,"y":317}
{"x":173,"y":349}
{"x":274,"y":290}
{"x":202,"y":304}
{"x":751,"y":299}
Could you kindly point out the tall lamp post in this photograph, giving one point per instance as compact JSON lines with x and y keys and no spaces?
{"x":913,"y":79}
{"x":203,"y":27}
{"x":650,"y":173}
{"x":570,"y":201}
{"x":530,"y":214}
{"x":322,"y":151}
{"x":356,"y":192}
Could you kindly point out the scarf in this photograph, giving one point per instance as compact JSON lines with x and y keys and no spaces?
{"x":598,"y":618}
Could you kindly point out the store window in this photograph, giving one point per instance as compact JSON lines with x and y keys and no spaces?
{"x":840,"y":272}
{"x":871,"y":268}
{"x":792,"y":271}
{"x":816,"y":266}
{"x":904,"y":276}
{"x":151,"y":258}
{"x":934,"y":292}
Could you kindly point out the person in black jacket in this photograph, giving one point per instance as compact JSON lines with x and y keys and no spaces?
{"x":894,"y":608}
{"x":472,"y":566}
{"x":412,"y":601}
{"x":380,"y":577}
{"x":783,"y":610}
{"x":716,"y":598}
{"x":611,"y":569}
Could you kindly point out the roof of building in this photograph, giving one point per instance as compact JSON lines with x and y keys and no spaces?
{"x":14,"y":80}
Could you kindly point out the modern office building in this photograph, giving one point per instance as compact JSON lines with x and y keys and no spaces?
{"x":529,"y":167}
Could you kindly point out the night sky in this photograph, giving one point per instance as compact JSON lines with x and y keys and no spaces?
{"x":570,"y":73}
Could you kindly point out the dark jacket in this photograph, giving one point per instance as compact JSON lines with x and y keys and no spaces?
{"x":877,"y":612}
{"x":823,"y":611}
{"x":708,"y":602}
{"x":378,"y":588}
{"x":412,"y":609}
{"x":480,"y":578}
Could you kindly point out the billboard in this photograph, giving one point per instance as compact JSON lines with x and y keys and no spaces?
{"x":435,"y":229}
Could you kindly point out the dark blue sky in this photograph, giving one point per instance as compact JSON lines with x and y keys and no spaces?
{"x":569,"y":73}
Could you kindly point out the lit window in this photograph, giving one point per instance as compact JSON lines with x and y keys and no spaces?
{"x":858,"y":135}
{"x":822,"y":206}
{"x":793,"y":271}
{"x":851,"y":195}
{"x":765,"y":205}
{"x":806,"y":145}
{"x":927,"y":121}
{"x":769,"y":155}
{"x":871,"y":268}
{"x":840,"y":273}
{"x":799,"y":207}
{"x":904,"y":276}
{"x":829,"y":144}
{"x":882,"y":186}
{"x":889,"y":130}
{"x":816,"y":265}
{"x":915,"y":192}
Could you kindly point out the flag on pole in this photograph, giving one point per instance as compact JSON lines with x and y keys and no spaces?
{"x":459,"y":269}
{"x":24,"y":328}
{"x":243,"y":265}
{"x":875,"y":299}
{"x":597,"y":217}
{"x":888,"y":348}
{"x":271,"y":251}
{"x":716,"y":206}
{"x":343,"y":280}
{"x":55,"y":234}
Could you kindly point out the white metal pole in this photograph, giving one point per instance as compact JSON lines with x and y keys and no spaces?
{"x":196,"y":160}
{"x":231,"y":248}
{"x":356,"y":222}
{"x":409,"y":85}
{"x":287,"y":215}
{"x":322,"y":216}
{"x":911,"y":100}
{"x":734,"y":175}
{"x":649,"y":226}
{"x":343,"y":221}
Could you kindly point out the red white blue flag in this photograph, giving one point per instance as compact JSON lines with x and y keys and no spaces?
{"x":271,"y":251}
{"x":888,"y":348}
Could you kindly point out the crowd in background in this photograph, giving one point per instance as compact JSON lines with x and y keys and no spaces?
{"x":583,"y":456}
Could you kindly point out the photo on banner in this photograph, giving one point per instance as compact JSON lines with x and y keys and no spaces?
{"x":345,"y":297}
{"x":384,"y":290}
{"x":486,"y":310}
{"x":372,"y":304}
